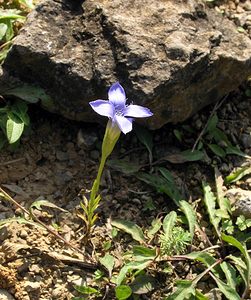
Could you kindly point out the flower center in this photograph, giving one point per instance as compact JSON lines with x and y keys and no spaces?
{"x":119,"y":112}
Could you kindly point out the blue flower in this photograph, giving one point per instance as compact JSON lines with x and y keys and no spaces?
{"x":116,"y":109}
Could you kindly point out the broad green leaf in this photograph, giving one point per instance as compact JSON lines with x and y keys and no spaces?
{"x":20,"y":108}
{"x":230,"y":273}
{"x":146,"y":138}
{"x":123,"y":292}
{"x":217,"y":150}
{"x":123,"y":166}
{"x":129,"y":227}
{"x":212,"y":123}
{"x":143,"y":284}
{"x":185,"y":289}
{"x":190,"y":214}
{"x":169,"y":222}
{"x":137,"y":265}
{"x":86,"y":289}
{"x":227,"y":290}
{"x":3,"y":30}
{"x":210,"y":202}
{"x":14,"y":129}
{"x":31,"y":94}
{"x":108,"y":262}
{"x":37,"y":204}
{"x":238,"y":174}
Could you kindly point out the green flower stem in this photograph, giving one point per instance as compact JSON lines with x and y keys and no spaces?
{"x":111,"y":136}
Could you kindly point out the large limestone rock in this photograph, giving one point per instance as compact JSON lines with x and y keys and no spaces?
{"x":173,"y":56}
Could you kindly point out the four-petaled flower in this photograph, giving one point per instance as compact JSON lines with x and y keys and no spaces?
{"x":116,"y":109}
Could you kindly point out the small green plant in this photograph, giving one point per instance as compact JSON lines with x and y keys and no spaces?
{"x":176,"y":242}
{"x":14,"y":119}
{"x":12,"y":17}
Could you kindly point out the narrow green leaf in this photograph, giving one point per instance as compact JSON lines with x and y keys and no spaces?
{"x":166,"y":174}
{"x":240,"y":266}
{"x":206,"y":258}
{"x":217,"y":150}
{"x":178,"y":135}
{"x":210,"y":202}
{"x":3,"y":30}
{"x":108,"y":262}
{"x":190,"y":214}
{"x":129,"y":227}
{"x":141,"y":252}
{"x":161,"y":185}
{"x":169,"y":222}
{"x":238,"y":174}
{"x":242,"y":248}
{"x":86,"y":289}
{"x":185,"y":290}
{"x":223,"y":202}
{"x":155,"y":227}
{"x":37,"y":204}
{"x":123,"y":166}
{"x":145,"y":137}
{"x":14,"y":129}
{"x":234,"y":150}
{"x":136,"y":265}
{"x":230,"y":274}
{"x":220,"y":136}
{"x":123,"y":292}
{"x":200,"y":296}
{"x":227,"y":290}
{"x":212,"y":123}
{"x":195,"y":155}
{"x":12,"y":14}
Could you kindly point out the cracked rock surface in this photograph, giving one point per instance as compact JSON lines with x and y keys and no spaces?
{"x":173,"y":56}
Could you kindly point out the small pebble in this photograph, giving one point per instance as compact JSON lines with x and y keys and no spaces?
{"x":62,"y":156}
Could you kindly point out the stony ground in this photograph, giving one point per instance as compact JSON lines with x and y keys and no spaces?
{"x":57,"y":159}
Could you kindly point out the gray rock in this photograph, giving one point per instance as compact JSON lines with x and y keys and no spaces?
{"x":173,"y":56}
{"x":243,"y":207}
{"x":246,"y":140}
{"x":4,"y":295}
